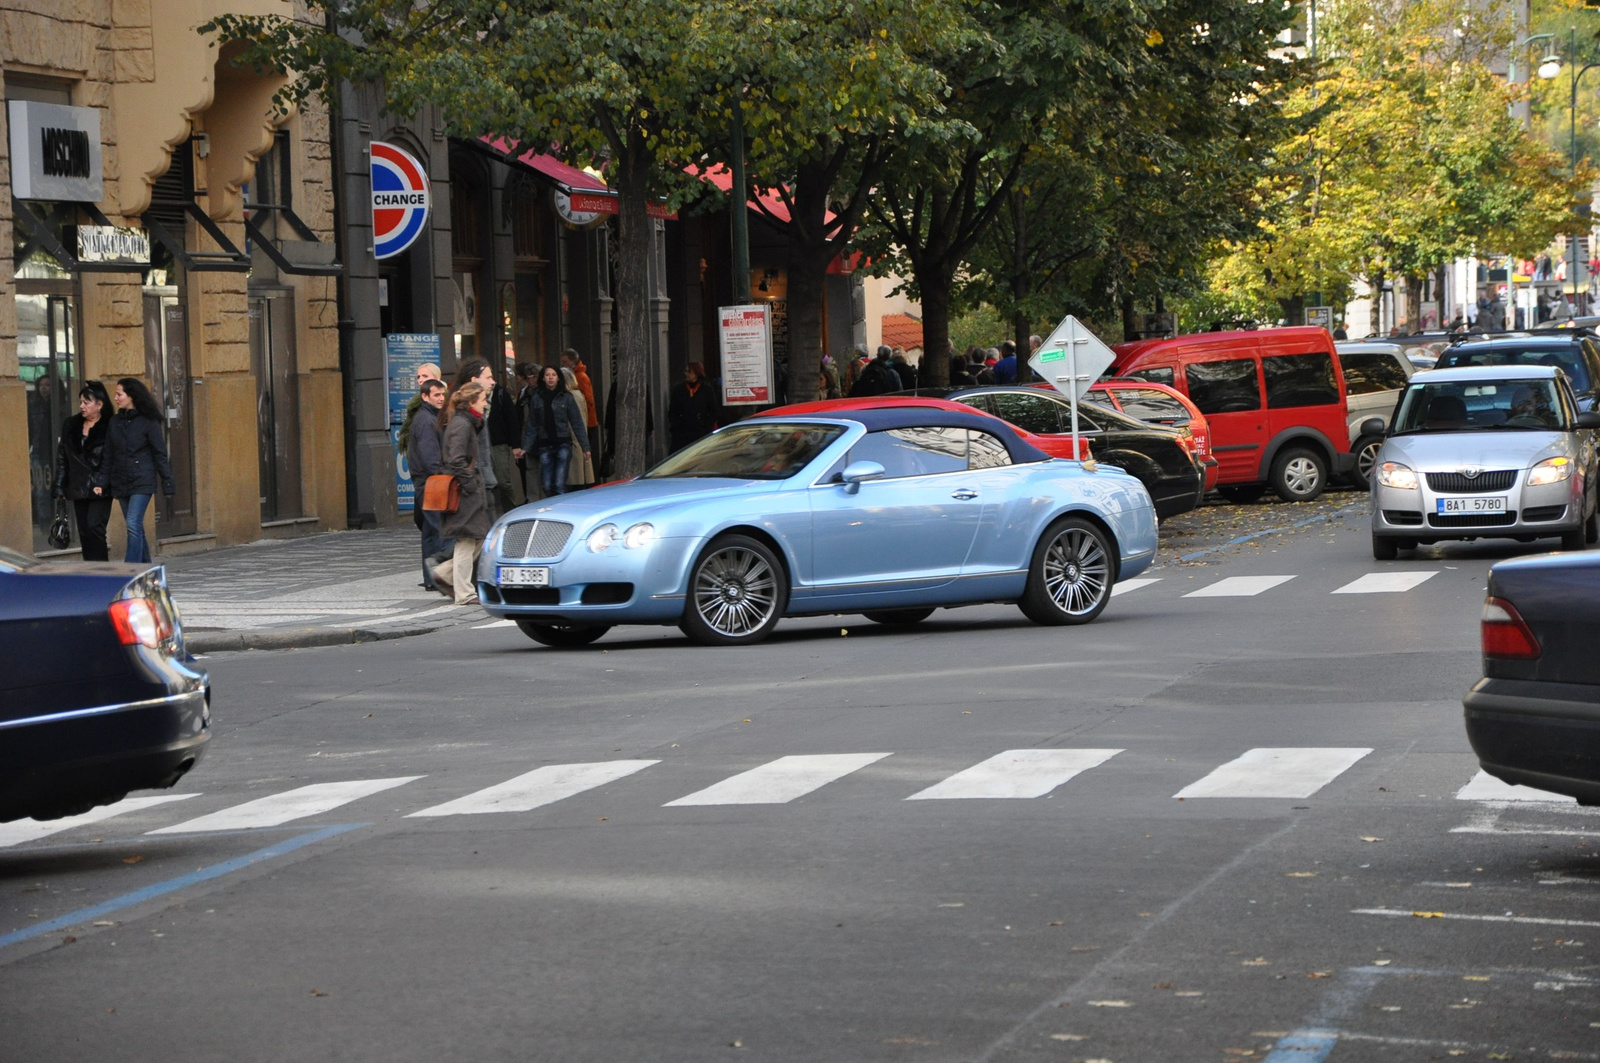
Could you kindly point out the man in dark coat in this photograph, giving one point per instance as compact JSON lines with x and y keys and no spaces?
{"x":422,"y":455}
{"x":877,"y":377}
{"x":692,"y":410}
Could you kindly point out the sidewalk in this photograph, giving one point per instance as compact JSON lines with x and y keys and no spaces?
{"x":322,"y":590}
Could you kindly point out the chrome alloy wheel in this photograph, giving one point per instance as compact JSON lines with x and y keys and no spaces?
{"x":1077,"y":571}
{"x":735,"y":591}
{"x":1302,"y":476}
{"x":1366,"y":457}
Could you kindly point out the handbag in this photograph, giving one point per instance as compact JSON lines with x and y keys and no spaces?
{"x":60,"y":535}
{"x":441,"y":494}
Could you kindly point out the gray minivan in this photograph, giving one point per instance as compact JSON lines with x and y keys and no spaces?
{"x":1374,"y":376}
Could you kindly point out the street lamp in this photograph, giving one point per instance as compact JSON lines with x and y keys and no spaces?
{"x":1572,"y":114}
{"x":1549,"y":67}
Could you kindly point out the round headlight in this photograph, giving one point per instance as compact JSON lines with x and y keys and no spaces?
{"x":639,"y":535}
{"x":602,"y":537}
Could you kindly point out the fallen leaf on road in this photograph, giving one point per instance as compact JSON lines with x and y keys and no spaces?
{"x":1188,"y":993}
{"x":104,"y":922}
{"x":1428,"y":915}
{"x":69,"y":939}
{"x":133,"y":859}
{"x":1498,"y":1055}
{"x":1370,"y":838}
{"x":1259,"y":961}
{"x":1057,"y":922}
{"x":1386,"y":1007}
{"x":1381,"y":963}
{"x":1320,"y":974}
{"x":1239,"y":1051}
{"x":1068,"y":1037}
{"x":735,"y":1044}
{"x":1085,"y":948}
{"x":318,"y":993}
{"x":1302,"y":874}
{"x":1109,"y":1003}
{"x":844,"y":631}
{"x":1474,"y":978}
{"x":954,"y":904}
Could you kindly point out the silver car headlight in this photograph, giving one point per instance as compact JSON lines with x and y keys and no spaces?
{"x":1550,"y":471}
{"x":1393,"y":474}
{"x":639,"y":535}
{"x":601,"y":538}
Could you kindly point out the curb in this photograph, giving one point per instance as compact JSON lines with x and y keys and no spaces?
{"x":296,"y":638}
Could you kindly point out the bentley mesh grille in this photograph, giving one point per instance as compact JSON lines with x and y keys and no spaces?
{"x":535,"y":538}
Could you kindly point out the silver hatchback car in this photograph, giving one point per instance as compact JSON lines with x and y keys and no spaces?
{"x":1486,"y":452}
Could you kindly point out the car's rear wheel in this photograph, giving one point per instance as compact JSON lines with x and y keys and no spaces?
{"x":1070,"y":576}
{"x":898,"y":616}
{"x":1299,"y":475}
{"x":737,"y":593}
{"x":1576,"y":539}
{"x":1385,"y":548}
{"x":565,"y":635}
{"x":1242,"y":494}
{"x":1366,"y":452}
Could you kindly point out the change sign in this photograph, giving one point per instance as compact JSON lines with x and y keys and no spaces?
{"x":399,"y":199}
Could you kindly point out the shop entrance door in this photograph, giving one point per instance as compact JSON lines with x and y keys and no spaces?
{"x":47,"y":357}
{"x":272,"y":357}
{"x":166,"y":367}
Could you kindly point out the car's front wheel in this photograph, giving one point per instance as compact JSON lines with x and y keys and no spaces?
{"x":1069,"y":579}
{"x":737,"y":593}
{"x":564,"y":635}
{"x":1384,"y":548}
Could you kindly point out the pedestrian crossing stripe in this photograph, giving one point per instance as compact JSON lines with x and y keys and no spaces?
{"x":1015,"y":774}
{"x":1386,"y":583}
{"x":1132,"y":585}
{"x":1239,"y":587}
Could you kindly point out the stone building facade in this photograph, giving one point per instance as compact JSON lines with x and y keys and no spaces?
{"x":232,"y":318}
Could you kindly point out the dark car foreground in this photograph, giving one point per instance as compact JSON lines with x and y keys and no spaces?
{"x":98,"y":696}
{"x":1534,"y":717}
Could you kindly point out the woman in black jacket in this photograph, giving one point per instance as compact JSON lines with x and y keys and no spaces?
{"x":78,"y":459}
{"x":553,"y":421}
{"x":136,"y":454}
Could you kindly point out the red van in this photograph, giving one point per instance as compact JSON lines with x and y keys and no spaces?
{"x":1275,"y":401}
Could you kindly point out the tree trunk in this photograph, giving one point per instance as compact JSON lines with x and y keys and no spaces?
{"x":632,"y":182}
{"x":1375,"y":308}
{"x":1130,"y":326}
{"x":935,"y":284}
{"x":1294,"y":309}
{"x":1021,"y":283}
{"x":810,"y":251}
{"x":1413,"y":320}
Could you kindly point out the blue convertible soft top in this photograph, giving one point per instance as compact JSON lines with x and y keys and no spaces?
{"x":911,"y":416}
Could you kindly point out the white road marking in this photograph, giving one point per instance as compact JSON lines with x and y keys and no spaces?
{"x":289,"y":805}
{"x":1386,"y":583}
{"x":1275,"y":773}
{"x":1530,"y":920}
{"x":28,"y":830}
{"x":780,"y":780}
{"x":541,"y":786}
{"x":1016,"y":773}
{"x":494,"y":623}
{"x":1132,"y":585}
{"x":1485,"y":787}
{"x":1239,"y":587}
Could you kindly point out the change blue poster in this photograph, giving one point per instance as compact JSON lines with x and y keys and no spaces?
{"x":403,"y":352}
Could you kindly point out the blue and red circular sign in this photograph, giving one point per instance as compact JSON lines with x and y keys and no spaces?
{"x":399,"y":199}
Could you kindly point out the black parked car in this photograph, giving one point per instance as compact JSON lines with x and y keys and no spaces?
{"x":1157,"y":456}
{"x":1534,"y":717}
{"x":1575,"y":353}
{"x":98,"y":695}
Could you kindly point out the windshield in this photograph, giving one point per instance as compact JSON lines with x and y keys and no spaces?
{"x":1481,"y":405}
{"x":1566,"y":357}
{"x":762,"y":451}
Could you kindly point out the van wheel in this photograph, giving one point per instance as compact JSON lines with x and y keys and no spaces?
{"x":1299,"y":475}
{"x":1241,"y":494}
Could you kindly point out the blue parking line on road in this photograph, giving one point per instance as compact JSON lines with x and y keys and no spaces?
{"x":1303,"y":1046}
{"x":171,"y":885}
{"x":1273,"y":531}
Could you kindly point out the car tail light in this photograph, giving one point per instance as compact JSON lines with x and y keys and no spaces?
{"x":1506,"y":634}
{"x":1186,"y":440}
{"x":140,"y":622}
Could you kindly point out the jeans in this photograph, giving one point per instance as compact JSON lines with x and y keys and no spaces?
{"x":133,"y":508}
{"x":433,"y":543}
{"x":553,"y":468}
{"x":93,"y":513}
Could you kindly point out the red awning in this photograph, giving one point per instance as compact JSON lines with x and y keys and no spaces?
{"x":588,"y":193}
{"x":769,"y":202}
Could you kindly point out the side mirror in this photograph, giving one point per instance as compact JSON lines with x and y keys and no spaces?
{"x":1373,"y":426}
{"x":1588,"y":419}
{"x":858,"y":471}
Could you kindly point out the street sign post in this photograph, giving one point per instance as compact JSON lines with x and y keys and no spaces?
{"x":1070,"y":360}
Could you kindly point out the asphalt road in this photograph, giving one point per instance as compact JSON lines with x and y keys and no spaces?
{"x":658,"y":903}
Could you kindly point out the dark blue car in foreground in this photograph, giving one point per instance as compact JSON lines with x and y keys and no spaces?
{"x":97,"y":694}
{"x":1534,"y":717}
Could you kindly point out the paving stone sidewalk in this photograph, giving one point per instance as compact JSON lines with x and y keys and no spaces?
{"x":338,"y":587}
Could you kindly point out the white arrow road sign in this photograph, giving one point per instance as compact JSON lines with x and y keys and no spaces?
{"x":1070,"y":361}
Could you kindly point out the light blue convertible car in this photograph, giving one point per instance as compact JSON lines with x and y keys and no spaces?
{"x":891,"y":511}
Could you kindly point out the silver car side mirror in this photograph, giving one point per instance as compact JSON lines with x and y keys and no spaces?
{"x":858,"y":471}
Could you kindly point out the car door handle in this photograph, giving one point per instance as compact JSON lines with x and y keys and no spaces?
{"x":964,"y":493}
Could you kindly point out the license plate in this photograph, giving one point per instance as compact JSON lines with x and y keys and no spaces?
{"x":523,"y":576}
{"x":1472,"y":505}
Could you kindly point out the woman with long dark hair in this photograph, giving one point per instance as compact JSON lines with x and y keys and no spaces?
{"x":554,"y":421}
{"x":461,"y":420}
{"x":135,"y":456}
{"x":79,"y":455}
{"x":477,"y":371}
